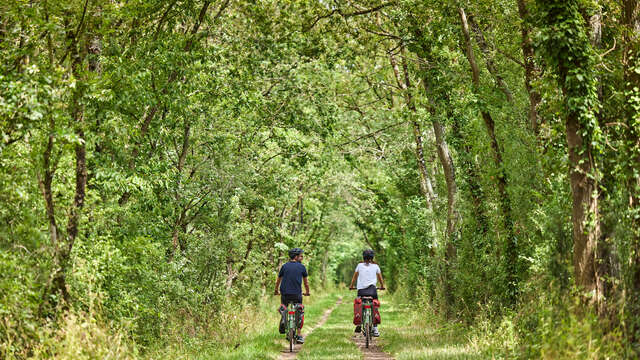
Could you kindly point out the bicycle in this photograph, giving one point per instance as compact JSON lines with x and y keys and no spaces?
{"x":291,"y":323}
{"x":367,"y":317}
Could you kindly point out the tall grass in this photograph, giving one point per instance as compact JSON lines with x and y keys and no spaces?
{"x":80,"y":335}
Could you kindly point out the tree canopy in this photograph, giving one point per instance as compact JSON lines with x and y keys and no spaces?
{"x":157,"y":156}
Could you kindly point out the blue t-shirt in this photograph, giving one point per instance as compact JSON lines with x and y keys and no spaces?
{"x":292,"y":274}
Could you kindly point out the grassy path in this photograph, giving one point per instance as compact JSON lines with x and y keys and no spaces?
{"x":266,"y":342}
{"x":405,"y":334}
{"x":251,"y":334}
{"x":287,"y":354}
{"x":333,"y":339}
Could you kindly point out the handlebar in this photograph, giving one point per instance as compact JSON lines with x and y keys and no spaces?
{"x":378,"y":288}
{"x":278,"y":294}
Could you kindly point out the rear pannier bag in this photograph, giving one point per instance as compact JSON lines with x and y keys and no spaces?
{"x":376,"y":312}
{"x":357,"y":311}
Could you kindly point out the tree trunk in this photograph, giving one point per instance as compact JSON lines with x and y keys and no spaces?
{"x":530,"y":72}
{"x":488,"y":58}
{"x":182,"y":221}
{"x":510,"y":250}
{"x":450,"y":177}
{"x":325,"y":261}
{"x":631,"y":62}
{"x":151,"y":112}
{"x":45,"y":185}
{"x":58,"y":284}
{"x":444,"y":155}
{"x":584,"y":203}
{"x":582,"y":129}
{"x":470,"y":178}
{"x":426,"y":187}
{"x":602,"y":251}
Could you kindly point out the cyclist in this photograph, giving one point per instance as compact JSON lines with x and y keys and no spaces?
{"x":367,"y":275}
{"x":288,"y":285}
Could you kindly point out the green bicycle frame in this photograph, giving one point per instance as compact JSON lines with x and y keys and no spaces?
{"x":291,"y":316}
{"x":366,"y":314}
{"x":291,"y":325}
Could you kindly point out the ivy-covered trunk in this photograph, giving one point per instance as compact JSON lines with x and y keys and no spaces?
{"x":510,"y":261}
{"x":570,"y":54}
{"x":584,"y":212}
{"x":631,"y":63}
{"x":528,"y":57}
{"x":426,"y":188}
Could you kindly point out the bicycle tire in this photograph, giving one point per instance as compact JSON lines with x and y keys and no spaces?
{"x":368,"y":335}
{"x":367,"y":327}
{"x":291,"y":339}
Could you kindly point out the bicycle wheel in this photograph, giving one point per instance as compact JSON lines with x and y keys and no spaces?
{"x":291,"y":339}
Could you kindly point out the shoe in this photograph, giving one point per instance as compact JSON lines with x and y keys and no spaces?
{"x":375,"y":332}
{"x":358,"y":328}
{"x":299,"y":339}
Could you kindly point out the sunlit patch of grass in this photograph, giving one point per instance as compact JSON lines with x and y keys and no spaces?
{"x":408,"y":334}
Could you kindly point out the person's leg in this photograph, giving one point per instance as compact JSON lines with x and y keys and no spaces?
{"x":376,"y":320}
{"x":300,"y":312}
{"x":376,"y":312}
{"x":299,"y":318}
{"x":283,"y":311}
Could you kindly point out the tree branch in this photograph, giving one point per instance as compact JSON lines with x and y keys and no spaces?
{"x":373,"y":133}
{"x":347,"y":15}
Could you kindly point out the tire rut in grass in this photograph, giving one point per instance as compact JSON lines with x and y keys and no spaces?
{"x":371,"y":353}
{"x":286,"y":354}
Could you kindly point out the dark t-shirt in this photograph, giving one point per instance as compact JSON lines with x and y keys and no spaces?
{"x":292,"y":274}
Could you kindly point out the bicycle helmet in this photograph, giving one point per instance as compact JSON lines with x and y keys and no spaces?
{"x":367,"y":254}
{"x":295,"y":252}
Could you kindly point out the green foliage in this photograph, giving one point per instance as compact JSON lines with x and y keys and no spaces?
{"x":219,"y":134}
{"x":567,"y":49}
{"x":18,"y":304}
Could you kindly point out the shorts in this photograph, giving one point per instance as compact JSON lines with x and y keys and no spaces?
{"x":290,"y":298}
{"x":368,"y":291}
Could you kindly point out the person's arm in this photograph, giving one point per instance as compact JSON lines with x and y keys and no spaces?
{"x":353,"y":280}
{"x":306,"y":286}
{"x":277,"y":285}
{"x":379,"y":275}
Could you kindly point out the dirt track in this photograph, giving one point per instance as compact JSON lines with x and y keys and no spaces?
{"x":286,"y":355}
{"x":373,"y":352}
